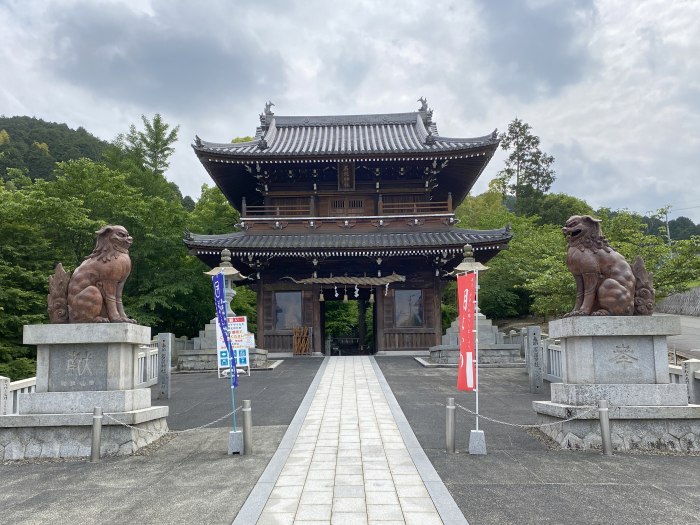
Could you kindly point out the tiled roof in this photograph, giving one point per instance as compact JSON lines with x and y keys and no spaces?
{"x":411,"y":241}
{"x":347,"y":135}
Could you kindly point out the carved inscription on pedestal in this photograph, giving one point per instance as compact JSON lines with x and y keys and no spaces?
{"x":624,"y":355}
{"x":82,"y":367}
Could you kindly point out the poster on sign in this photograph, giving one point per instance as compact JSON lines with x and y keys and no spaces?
{"x":241,"y":341}
{"x":466,"y":299}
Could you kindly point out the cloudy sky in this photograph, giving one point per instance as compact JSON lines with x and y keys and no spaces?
{"x":612,"y":87}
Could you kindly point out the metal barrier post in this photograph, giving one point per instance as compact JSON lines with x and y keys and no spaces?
{"x":247,"y":428}
{"x":96,"y":434}
{"x":604,"y":416}
{"x":450,"y":425}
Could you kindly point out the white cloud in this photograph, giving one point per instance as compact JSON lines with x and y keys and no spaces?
{"x":611,"y":87}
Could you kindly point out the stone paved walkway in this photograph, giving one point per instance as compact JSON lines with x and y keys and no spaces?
{"x":349,"y":463}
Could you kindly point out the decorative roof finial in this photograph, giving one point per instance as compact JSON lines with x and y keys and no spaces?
{"x":225,"y":257}
{"x":423,"y":104}
{"x":197,"y":141}
{"x":268,"y":105}
{"x":468,"y":253}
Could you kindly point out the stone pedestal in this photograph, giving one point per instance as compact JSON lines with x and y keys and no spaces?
{"x":623,"y":360}
{"x":258,"y":357}
{"x":203,"y":355}
{"x":492,"y":350}
{"x":79,"y":367}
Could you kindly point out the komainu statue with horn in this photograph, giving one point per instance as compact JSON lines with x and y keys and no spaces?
{"x":606,"y":284}
{"x":93,"y":294}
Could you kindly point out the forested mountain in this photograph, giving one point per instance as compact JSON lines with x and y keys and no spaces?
{"x":34,"y":146}
{"x":50,"y":210}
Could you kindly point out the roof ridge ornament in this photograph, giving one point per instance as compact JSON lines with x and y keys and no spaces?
{"x":266,"y":115}
{"x":426,"y":113}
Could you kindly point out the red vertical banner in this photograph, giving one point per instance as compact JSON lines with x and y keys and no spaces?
{"x":466,"y":295}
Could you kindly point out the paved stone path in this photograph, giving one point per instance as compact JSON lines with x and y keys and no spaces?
{"x":350,"y":463}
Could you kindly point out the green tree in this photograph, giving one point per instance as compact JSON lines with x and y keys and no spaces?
{"x":212,"y":214}
{"x":143,"y":155}
{"x":556,"y":208}
{"x":528,"y":172}
{"x":683,"y":228}
{"x":154,"y":143}
{"x":501,"y":294}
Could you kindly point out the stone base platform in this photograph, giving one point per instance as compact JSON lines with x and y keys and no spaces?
{"x":197,"y":360}
{"x":80,"y":367}
{"x":70,"y":435}
{"x":623,"y":360}
{"x":489,"y":354}
{"x":651,"y":428}
{"x":206,"y":360}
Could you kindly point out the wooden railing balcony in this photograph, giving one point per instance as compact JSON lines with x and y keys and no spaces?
{"x":277,"y":211}
{"x":351,"y":206}
{"x":414,"y":208}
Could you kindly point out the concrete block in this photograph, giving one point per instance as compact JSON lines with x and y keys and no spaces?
{"x":535,"y":360}
{"x":586,"y":326}
{"x":50,"y":334}
{"x":619,"y":394}
{"x":235,"y":442}
{"x":166,"y":343}
{"x":4,"y":395}
{"x":79,"y":402}
{"x":689,"y":368}
{"x":477,"y":442}
{"x":614,"y":359}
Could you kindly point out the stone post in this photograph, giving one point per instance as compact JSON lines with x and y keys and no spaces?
{"x":166,"y":342}
{"x":689,"y":368}
{"x":4,"y":395}
{"x":535,"y":363}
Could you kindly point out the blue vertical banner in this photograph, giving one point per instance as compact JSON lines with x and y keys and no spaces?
{"x":220,"y":302}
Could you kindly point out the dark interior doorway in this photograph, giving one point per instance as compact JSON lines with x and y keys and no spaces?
{"x":348,"y":325}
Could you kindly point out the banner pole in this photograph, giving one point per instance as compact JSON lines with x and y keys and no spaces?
{"x":476,"y":345}
{"x":232,"y":366}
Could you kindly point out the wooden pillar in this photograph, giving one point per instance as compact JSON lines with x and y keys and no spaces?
{"x":316,"y":319}
{"x":437,"y":305}
{"x":380,"y":205}
{"x":244,"y":213}
{"x":379,"y":315}
{"x":361,"y":328}
{"x":449,"y":202}
{"x":260,"y":307}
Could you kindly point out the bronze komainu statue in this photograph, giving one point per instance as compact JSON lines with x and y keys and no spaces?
{"x":93,"y":294}
{"x":605,"y":282}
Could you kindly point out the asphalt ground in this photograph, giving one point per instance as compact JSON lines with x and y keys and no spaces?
{"x":184,"y":478}
{"x":688,"y":343}
{"x":198,"y":398}
{"x":522,"y":478}
{"x":189,"y":477}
